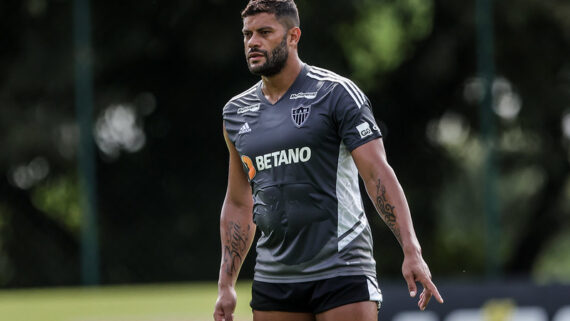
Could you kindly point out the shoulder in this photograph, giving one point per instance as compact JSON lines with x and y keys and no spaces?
{"x":245,"y":98}
{"x":342,"y":86}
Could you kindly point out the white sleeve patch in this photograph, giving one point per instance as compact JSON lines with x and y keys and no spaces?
{"x":364,"y":129}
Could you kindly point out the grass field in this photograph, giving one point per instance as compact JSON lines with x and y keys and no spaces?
{"x":184,"y":302}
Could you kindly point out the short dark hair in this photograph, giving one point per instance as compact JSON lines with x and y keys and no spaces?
{"x":284,"y":10}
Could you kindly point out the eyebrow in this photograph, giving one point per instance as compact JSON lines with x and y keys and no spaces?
{"x":258,"y":29}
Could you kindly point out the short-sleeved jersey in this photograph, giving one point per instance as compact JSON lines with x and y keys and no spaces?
{"x":296,"y":155}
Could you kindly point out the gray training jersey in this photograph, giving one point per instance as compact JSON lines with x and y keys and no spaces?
{"x":296,"y":154}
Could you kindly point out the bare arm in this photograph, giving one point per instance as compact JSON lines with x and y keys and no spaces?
{"x":388,"y":197}
{"x":236,"y":230}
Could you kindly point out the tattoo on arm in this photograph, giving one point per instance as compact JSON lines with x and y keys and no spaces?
{"x":386,"y":210}
{"x":235,"y":247}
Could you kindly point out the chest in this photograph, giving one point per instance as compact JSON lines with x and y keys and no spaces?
{"x":273,"y":128}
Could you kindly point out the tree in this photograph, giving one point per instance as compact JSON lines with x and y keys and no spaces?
{"x":163,"y":71}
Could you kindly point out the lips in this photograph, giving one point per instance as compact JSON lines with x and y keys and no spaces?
{"x":254,"y":55}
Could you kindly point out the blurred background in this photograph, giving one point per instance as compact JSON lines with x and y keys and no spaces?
{"x":113,"y":166}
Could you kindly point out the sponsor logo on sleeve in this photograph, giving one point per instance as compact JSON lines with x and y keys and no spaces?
{"x":364,"y":130}
{"x":251,"y":108}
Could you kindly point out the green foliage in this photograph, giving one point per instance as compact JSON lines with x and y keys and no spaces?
{"x":461,"y":231}
{"x":59,"y":199}
{"x":5,"y":268}
{"x":554,"y":262}
{"x":384,"y":35}
{"x":159,"y":206}
{"x":553,"y":265}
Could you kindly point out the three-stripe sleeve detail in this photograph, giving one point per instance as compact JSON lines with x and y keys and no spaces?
{"x":245,"y":93}
{"x":354,"y":92}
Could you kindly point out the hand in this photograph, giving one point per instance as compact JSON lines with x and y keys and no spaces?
{"x":415,"y":270}
{"x":226,"y":304}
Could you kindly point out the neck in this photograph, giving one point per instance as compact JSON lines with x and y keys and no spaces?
{"x":276,"y":86}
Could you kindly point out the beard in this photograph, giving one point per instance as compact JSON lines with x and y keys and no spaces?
{"x":274,"y":63}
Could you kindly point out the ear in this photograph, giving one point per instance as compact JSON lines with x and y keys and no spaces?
{"x":294,"y":35}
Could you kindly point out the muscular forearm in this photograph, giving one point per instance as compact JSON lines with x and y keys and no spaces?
{"x":237,"y":231}
{"x":390,"y":202}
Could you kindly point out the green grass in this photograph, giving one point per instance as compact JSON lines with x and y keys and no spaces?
{"x":184,"y":302}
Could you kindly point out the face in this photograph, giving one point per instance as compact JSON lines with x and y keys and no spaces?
{"x":265,"y":42}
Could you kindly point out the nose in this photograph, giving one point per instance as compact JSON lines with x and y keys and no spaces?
{"x":253,"y":41}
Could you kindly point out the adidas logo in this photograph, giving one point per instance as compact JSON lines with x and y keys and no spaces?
{"x":244,"y":129}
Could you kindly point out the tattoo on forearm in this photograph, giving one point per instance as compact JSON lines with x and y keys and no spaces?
{"x":386,"y":210}
{"x":235,"y":247}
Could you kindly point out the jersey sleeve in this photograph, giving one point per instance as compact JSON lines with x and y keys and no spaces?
{"x":353,"y":115}
{"x":231,"y":122}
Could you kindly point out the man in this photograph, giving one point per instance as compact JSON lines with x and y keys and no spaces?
{"x":297,"y":141}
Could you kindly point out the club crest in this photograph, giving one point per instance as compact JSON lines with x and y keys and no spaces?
{"x":300,"y":115}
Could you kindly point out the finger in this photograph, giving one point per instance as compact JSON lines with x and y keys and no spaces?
{"x":412,"y":288}
{"x":424,"y":300}
{"x":421,"y":300}
{"x":223,"y":314}
{"x":228,"y":316}
{"x":433,"y":290}
{"x":229,"y":313}
{"x":217,"y":313}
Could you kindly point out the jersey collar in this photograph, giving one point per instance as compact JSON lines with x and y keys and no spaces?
{"x":294,"y":85}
